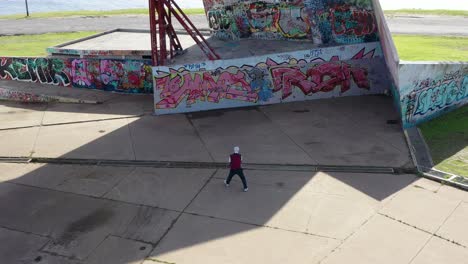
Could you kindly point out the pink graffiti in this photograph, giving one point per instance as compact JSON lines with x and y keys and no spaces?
{"x":79,"y":73}
{"x":321,"y":78}
{"x":203,"y":86}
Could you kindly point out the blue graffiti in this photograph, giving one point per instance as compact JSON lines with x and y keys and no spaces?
{"x":444,"y":95}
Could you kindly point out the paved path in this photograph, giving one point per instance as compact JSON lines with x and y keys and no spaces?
{"x":78,"y":214}
{"x":431,"y":25}
{"x":71,"y":214}
{"x":122,"y":128}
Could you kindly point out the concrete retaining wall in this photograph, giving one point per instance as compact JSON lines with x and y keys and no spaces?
{"x":297,"y":76}
{"x":126,"y":76}
{"x":429,"y":89}
{"x":321,"y":21}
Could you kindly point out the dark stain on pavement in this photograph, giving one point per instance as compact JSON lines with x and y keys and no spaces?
{"x":84,"y":225}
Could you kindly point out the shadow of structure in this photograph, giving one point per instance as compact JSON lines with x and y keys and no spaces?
{"x":447,"y":139}
{"x":77,"y":210}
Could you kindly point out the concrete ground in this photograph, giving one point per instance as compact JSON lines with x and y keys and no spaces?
{"x":352,"y":131}
{"x":95,"y":214}
{"x":64,"y":213}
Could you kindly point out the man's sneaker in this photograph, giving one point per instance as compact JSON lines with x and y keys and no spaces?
{"x":246,"y":189}
{"x":226,"y":184}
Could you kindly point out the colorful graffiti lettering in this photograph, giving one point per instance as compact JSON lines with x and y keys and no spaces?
{"x":438,"y":88}
{"x":113,"y":75}
{"x":47,"y":71}
{"x":347,"y":20}
{"x":265,"y":82}
{"x":318,"y":78}
{"x":340,"y":21}
{"x":434,"y":98}
{"x":203,"y":86}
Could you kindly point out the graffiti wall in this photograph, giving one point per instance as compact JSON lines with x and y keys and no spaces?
{"x":286,"y":77}
{"x":125,"y":76}
{"x":320,"y":21}
{"x":428,"y":90}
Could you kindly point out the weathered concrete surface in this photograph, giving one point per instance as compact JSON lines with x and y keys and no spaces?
{"x":259,"y":139}
{"x":450,"y":228}
{"x":419,"y":207}
{"x":441,"y":251}
{"x":336,"y":131}
{"x":167,"y":138}
{"x":305,"y":202}
{"x":163,"y":188}
{"x":330,"y":132}
{"x":115,"y":250}
{"x":18,"y":142}
{"x":16,"y":245}
{"x":94,"y":140}
{"x":119,"y":107}
{"x":192,"y":241}
{"x":13,"y":115}
{"x":381,"y":240}
{"x":302,"y":217}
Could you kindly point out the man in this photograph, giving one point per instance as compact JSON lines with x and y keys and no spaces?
{"x":235,"y":161}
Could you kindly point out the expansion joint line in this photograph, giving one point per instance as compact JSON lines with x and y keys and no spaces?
{"x":422,"y":230}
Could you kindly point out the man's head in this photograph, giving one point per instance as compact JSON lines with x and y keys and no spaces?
{"x":236,"y":149}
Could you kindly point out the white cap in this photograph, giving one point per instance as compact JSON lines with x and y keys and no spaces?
{"x":236,"y":149}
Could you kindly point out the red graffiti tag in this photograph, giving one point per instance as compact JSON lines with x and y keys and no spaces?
{"x":321,"y":78}
{"x":206,"y":86}
{"x":352,"y":21}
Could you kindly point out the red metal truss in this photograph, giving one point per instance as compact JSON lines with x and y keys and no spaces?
{"x":160,"y":13}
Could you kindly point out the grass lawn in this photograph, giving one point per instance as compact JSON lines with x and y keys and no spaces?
{"x":447,"y":137}
{"x":431,"y":48}
{"x":136,"y":11}
{"x":35,"y":45}
{"x":436,"y":12}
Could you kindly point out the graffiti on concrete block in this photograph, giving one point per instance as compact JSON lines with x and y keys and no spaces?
{"x":204,"y":86}
{"x":318,"y":78}
{"x":47,"y":71}
{"x":112,"y":75}
{"x":430,"y":96}
{"x":351,"y":22}
{"x":281,"y":77}
{"x":322,"y":21}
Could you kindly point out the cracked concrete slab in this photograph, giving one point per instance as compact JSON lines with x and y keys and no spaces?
{"x":440,"y":251}
{"x":116,"y":250}
{"x":18,"y":142}
{"x":451,"y":228}
{"x":47,"y":258}
{"x":196,"y":239}
{"x":80,"y":235}
{"x":418,"y":207}
{"x":119,"y":106}
{"x":339,"y":138}
{"x":163,"y":188}
{"x":94,"y":180}
{"x":95,"y":140}
{"x":381,"y":240}
{"x":15,"y":245}
{"x":149,"y":224}
{"x":20,"y":115}
{"x":85,"y":180}
{"x":286,"y":208}
{"x":166,"y":138}
{"x":259,"y":139}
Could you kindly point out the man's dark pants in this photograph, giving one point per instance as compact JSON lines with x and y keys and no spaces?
{"x":239,"y":172}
